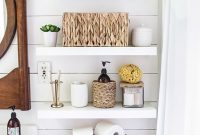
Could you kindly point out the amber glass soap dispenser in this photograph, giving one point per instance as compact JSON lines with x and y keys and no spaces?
{"x":104,"y":78}
{"x":104,"y":90}
{"x":13,"y":126}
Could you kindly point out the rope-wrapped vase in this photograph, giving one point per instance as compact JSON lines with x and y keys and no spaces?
{"x":104,"y":94}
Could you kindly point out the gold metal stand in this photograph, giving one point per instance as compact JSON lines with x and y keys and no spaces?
{"x":56,"y":95}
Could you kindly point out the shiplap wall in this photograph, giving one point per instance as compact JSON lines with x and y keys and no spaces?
{"x":87,"y":68}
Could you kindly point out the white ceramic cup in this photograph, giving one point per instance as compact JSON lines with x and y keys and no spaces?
{"x":79,"y":94}
{"x":142,"y":36}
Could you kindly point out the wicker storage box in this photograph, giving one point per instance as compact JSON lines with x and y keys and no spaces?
{"x":95,"y":29}
{"x":104,"y":94}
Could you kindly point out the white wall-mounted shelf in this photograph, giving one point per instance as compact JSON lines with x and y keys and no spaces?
{"x":62,"y":51}
{"x":90,"y":112}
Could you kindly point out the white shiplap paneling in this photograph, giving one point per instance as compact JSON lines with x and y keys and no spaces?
{"x":57,"y":7}
{"x":36,"y":35}
{"x":40,"y":12}
{"x":69,"y":132}
{"x":71,"y":64}
{"x":25,"y":130}
{"x":75,"y":123}
{"x":91,"y":64}
{"x":42,"y":92}
{"x":25,"y":117}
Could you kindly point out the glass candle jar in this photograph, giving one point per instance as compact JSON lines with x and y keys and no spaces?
{"x":142,"y":36}
{"x":132,"y":95}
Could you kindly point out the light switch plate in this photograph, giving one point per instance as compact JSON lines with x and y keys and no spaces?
{"x":44,"y":71}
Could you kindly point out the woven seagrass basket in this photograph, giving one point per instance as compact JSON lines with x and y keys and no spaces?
{"x":95,"y":29}
{"x":104,"y":94}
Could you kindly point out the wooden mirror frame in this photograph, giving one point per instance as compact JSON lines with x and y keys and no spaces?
{"x":14,"y":87}
{"x":10,"y":29}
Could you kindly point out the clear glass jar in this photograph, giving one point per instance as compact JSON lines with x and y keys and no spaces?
{"x":133,"y":95}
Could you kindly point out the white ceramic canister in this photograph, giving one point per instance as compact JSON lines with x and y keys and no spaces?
{"x":79,"y":94}
{"x":50,"y":38}
{"x":142,"y":36}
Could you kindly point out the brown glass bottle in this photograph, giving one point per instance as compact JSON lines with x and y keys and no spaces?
{"x":13,"y":126}
{"x":104,"y":78}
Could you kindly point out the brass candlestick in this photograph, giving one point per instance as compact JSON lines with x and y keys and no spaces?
{"x":56,"y":94}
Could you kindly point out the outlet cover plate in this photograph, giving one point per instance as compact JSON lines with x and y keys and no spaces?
{"x":44,"y":72}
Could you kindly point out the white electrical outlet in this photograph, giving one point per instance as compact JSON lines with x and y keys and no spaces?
{"x":44,"y":72}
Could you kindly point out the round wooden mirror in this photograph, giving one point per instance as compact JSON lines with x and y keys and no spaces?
{"x":8,"y":17}
{"x":15,"y":87}
{"x":3,"y":19}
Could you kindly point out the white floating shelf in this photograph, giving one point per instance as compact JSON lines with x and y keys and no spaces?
{"x":90,"y":112}
{"x":61,"y":51}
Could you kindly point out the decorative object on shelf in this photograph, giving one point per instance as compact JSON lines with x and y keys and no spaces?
{"x":82,"y":131}
{"x":104,"y":94}
{"x":104,"y":78}
{"x":142,"y":36}
{"x":56,"y":93}
{"x":95,"y":29}
{"x":104,"y":90}
{"x":133,"y":94}
{"x":50,"y":34}
{"x":13,"y":126}
{"x":130,"y":73}
{"x":79,"y":94}
{"x":107,"y":128}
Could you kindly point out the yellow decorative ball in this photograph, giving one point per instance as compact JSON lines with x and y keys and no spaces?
{"x":130,"y":73}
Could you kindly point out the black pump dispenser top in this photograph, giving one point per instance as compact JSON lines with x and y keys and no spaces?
{"x":104,"y":63}
{"x":104,"y":78}
{"x":104,"y":71}
{"x":13,"y":114}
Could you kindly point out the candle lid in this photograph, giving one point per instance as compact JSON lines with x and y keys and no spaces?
{"x":130,"y":85}
{"x":143,"y":27}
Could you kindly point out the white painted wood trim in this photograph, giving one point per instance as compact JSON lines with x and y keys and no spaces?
{"x":42,"y":92}
{"x":129,"y":124}
{"x":59,"y":51}
{"x":90,"y":112}
{"x":58,"y":7}
{"x":69,"y":132}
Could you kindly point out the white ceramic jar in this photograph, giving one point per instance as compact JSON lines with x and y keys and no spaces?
{"x":79,"y":94}
{"x":142,"y":36}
